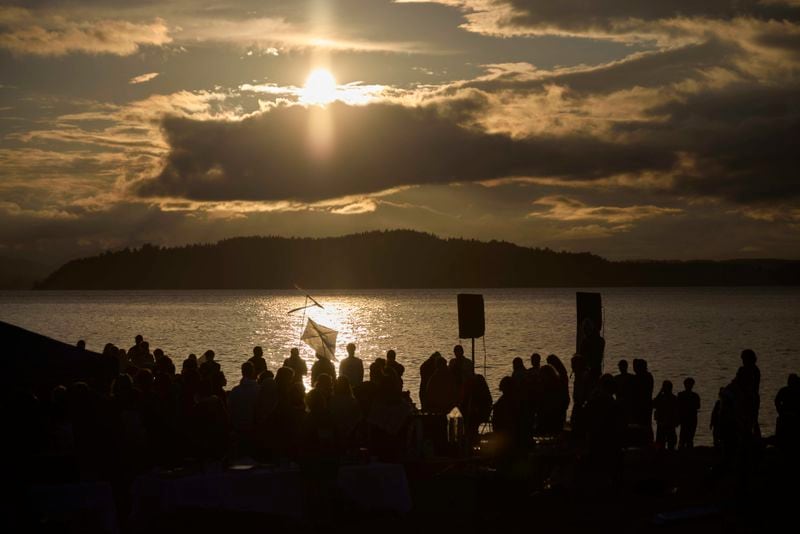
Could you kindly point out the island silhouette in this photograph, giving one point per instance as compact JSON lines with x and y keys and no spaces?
{"x":392,"y":259}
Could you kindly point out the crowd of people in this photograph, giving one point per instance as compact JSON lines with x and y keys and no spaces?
{"x":145,"y":411}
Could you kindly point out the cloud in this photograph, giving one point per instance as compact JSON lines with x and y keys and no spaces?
{"x":273,"y":34}
{"x":26,"y":32}
{"x":725,"y":107}
{"x":665,"y":21}
{"x":649,"y":69}
{"x":142,"y":78}
{"x":272,"y":156}
{"x":87,"y":156}
{"x":561,"y":208}
{"x":350,"y":93}
{"x":738,"y":141}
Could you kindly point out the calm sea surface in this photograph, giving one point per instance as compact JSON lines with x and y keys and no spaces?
{"x":682,"y":332}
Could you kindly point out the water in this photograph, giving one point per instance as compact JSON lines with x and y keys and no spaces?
{"x":680,"y":331}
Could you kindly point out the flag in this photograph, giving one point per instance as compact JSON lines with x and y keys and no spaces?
{"x":320,"y":338}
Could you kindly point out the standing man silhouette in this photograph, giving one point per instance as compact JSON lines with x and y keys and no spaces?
{"x":352,"y":367}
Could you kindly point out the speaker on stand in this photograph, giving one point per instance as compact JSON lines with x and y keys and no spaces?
{"x":471,"y":319}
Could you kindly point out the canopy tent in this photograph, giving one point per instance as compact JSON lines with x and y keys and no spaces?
{"x":41,"y":363}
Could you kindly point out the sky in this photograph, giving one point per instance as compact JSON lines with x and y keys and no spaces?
{"x":661,"y":130}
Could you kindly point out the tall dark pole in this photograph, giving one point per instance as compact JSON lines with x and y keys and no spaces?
{"x":473,"y":353}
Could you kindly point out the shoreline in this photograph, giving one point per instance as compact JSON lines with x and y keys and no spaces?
{"x":386,"y":289}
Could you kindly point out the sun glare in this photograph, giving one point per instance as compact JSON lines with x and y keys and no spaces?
{"x":320,"y":87}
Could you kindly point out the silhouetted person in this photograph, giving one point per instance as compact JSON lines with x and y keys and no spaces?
{"x":352,"y":367}
{"x":426,"y":371}
{"x":123,"y":361}
{"x":460,"y":366}
{"x":280,"y":428}
{"x":716,"y":422}
{"x":476,"y":406}
{"x":322,"y":366}
{"x":506,"y":416}
{"x":218,"y":383}
{"x":392,"y":363}
{"x":209,"y":366}
{"x":376,"y":371}
{"x":149,"y":407}
{"x":81,"y":344}
{"x":787,"y":404}
{"x":266,"y":405}
{"x":142,"y":358}
{"x":211,"y":425}
{"x":345,"y":410}
{"x":190,"y":363}
{"x":740,"y":435}
{"x":258,"y":361}
{"x":133,"y":351}
{"x":187,"y":396}
{"x":563,"y":391}
{"x":666,"y":415}
{"x":593,"y":346}
{"x":164,"y":425}
{"x":625,"y":386}
{"x":323,"y":387}
{"x":580,"y":393}
{"x":550,"y":404}
{"x":605,"y":423}
{"x":749,"y":377}
{"x":242,"y":407}
{"x":320,"y":445}
{"x":164,"y":365}
{"x":688,"y":406}
{"x":109,"y":366}
{"x":526,"y":396}
{"x":643,"y":400}
{"x":388,"y":418}
{"x":536,"y":363}
{"x":442,"y":392}
{"x":518,"y":371}
{"x":297,"y":364}
{"x":129,"y":432}
{"x":265,"y":375}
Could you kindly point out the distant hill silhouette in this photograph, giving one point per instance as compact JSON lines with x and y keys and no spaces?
{"x":392,"y":259}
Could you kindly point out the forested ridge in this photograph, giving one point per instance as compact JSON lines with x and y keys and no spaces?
{"x":391,"y":259}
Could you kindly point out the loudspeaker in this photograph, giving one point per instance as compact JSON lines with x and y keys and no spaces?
{"x":589,"y":306}
{"x":470,"y":316}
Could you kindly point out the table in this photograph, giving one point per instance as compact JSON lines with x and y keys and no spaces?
{"x":276,"y":491}
{"x":82,"y":506}
{"x":375,"y":487}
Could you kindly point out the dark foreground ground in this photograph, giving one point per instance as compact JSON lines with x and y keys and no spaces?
{"x":549,"y":490}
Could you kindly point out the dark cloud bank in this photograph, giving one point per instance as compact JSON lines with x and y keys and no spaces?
{"x":374,"y":147}
{"x":579,"y":14}
{"x":740,"y":140}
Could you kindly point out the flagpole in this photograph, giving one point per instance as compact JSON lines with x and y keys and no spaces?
{"x":303,"y":320}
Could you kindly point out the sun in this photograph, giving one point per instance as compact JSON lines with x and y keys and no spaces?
{"x":320,"y":87}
